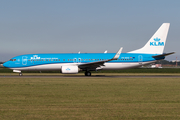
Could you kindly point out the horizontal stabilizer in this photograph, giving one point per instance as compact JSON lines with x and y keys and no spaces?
{"x":163,"y":55}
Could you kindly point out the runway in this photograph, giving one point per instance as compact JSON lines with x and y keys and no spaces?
{"x":93,"y":76}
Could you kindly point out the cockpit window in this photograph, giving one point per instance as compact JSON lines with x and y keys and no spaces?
{"x":12,"y":59}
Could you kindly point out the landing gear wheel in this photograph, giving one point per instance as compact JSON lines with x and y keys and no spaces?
{"x":20,"y":74}
{"x":87,"y":73}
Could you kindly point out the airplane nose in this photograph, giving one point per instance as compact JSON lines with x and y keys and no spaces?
{"x":4,"y":64}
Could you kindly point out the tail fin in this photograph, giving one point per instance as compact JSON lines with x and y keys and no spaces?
{"x":157,"y":42}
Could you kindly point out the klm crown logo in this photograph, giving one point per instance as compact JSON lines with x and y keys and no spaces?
{"x":68,"y":69}
{"x":157,"y":39}
{"x":35,"y":57}
{"x":157,"y":42}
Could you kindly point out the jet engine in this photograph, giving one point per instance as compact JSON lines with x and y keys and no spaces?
{"x":69,"y":69}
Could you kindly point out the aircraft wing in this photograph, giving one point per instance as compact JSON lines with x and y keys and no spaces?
{"x":94,"y":65}
{"x":163,"y":55}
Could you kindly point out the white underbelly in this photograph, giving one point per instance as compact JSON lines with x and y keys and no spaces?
{"x":118,"y":66}
{"x":43,"y":67}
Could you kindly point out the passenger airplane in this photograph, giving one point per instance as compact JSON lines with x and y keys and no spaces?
{"x":73,"y":63}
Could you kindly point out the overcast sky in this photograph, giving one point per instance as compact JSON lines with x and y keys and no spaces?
{"x":89,"y":26}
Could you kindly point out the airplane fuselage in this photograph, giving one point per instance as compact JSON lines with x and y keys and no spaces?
{"x":56,"y":61}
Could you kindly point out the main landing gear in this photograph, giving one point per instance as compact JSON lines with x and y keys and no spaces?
{"x":87,"y":73}
{"x":20,"y":74}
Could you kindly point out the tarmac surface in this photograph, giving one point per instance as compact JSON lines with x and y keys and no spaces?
{"x":93,"y":76}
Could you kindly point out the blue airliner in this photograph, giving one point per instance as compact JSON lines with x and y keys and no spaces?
{"x":73,"y":63}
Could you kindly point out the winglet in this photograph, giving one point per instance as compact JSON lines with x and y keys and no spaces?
{"x":117,"y":54}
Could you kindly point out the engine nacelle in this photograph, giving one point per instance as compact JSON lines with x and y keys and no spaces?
{"x":69,"y":69}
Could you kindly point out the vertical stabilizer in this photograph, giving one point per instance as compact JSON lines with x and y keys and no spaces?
{"x":157,"y":42}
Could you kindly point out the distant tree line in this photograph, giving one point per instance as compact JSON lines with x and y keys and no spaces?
{"x":165,"y":62}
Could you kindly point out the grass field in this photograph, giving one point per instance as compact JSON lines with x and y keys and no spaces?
{"x":90,"y":98}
